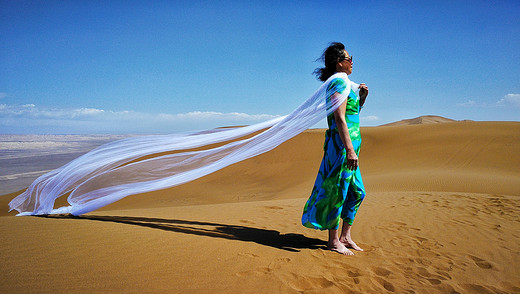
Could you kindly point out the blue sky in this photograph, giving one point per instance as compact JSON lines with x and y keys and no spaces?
{"x":167,"y":66}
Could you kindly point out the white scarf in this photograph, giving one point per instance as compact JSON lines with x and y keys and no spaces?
{"x":142,"y":164}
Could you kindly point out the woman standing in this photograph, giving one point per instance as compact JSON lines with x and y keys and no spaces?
{"x":338,"y":190}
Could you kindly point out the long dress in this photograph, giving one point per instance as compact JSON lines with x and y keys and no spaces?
{"x":338,"y":191}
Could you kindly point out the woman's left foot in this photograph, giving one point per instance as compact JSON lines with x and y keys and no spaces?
{"x":351,"y":244}
{"x":339,"y":248}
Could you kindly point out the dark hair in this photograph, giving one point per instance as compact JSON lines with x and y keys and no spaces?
{"x":334,"y":53}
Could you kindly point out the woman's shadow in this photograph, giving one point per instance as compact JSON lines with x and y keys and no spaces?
{"x":272,"y":238}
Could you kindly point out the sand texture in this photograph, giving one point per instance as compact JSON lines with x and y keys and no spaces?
{"x":442,"y":215}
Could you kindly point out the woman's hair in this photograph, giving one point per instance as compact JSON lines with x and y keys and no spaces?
{"x":334,"y":53}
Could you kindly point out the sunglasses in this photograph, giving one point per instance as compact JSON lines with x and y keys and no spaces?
{"x":349,"y":59}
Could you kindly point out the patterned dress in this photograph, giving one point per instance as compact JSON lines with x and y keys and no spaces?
{"x":338,"y":191}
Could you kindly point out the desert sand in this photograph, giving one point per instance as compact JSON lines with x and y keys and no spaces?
{"x":442,"y":215}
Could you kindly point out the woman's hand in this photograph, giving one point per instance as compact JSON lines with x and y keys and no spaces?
{"x":363,"y":90}
{"x":352,"y":160}
{"x":363,"y":93}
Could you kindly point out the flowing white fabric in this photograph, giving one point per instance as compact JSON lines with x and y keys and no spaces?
{"x":148,"y":163}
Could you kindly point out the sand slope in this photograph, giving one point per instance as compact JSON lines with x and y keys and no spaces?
{"x":480,"y":157}
{"x":442,"y":216}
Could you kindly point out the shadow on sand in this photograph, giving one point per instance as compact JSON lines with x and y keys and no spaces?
{"x":272,"y":238}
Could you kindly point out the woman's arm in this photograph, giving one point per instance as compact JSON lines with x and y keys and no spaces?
{"x":339,"y":118}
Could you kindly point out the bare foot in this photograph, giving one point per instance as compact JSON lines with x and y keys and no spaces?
{"x":339,"y":248}
{"x":351,"y":244}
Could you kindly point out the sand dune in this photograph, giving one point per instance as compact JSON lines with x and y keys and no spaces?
{"x":441,"y":216}
{"x":425,"y":119}
{"x":480,"y":157}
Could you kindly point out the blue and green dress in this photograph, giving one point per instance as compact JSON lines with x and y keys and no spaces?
{"x":338,"y":191}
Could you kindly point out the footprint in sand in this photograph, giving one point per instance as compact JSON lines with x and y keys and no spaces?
{"x":475,"y":288}
{"x":386,"y":284}
{"x":423,"y":272}
{"x":264,"y":270}
{"x":248,"y":255}
{"x":481,"y":262}
{"x":302,"y":284}
{"x":353,"y":274}
{"x":260,"y":271}
{"x":382,"y":272}
{"x":245,"y":221}
{"x":443,"y":275}
{"x":440,"y":275}
{"x":273,"y":207}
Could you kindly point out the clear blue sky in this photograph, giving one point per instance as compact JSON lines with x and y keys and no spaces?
{"x":167,"y":66}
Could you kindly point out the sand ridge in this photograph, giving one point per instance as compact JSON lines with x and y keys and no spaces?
{"x":425,"y":119}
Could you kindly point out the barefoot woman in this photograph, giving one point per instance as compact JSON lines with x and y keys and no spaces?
{"x":339,"y":189}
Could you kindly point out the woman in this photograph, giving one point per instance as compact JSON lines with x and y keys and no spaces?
{"x":338,"y":190}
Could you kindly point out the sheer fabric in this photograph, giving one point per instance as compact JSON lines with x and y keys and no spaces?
{"x":148,"y":163}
